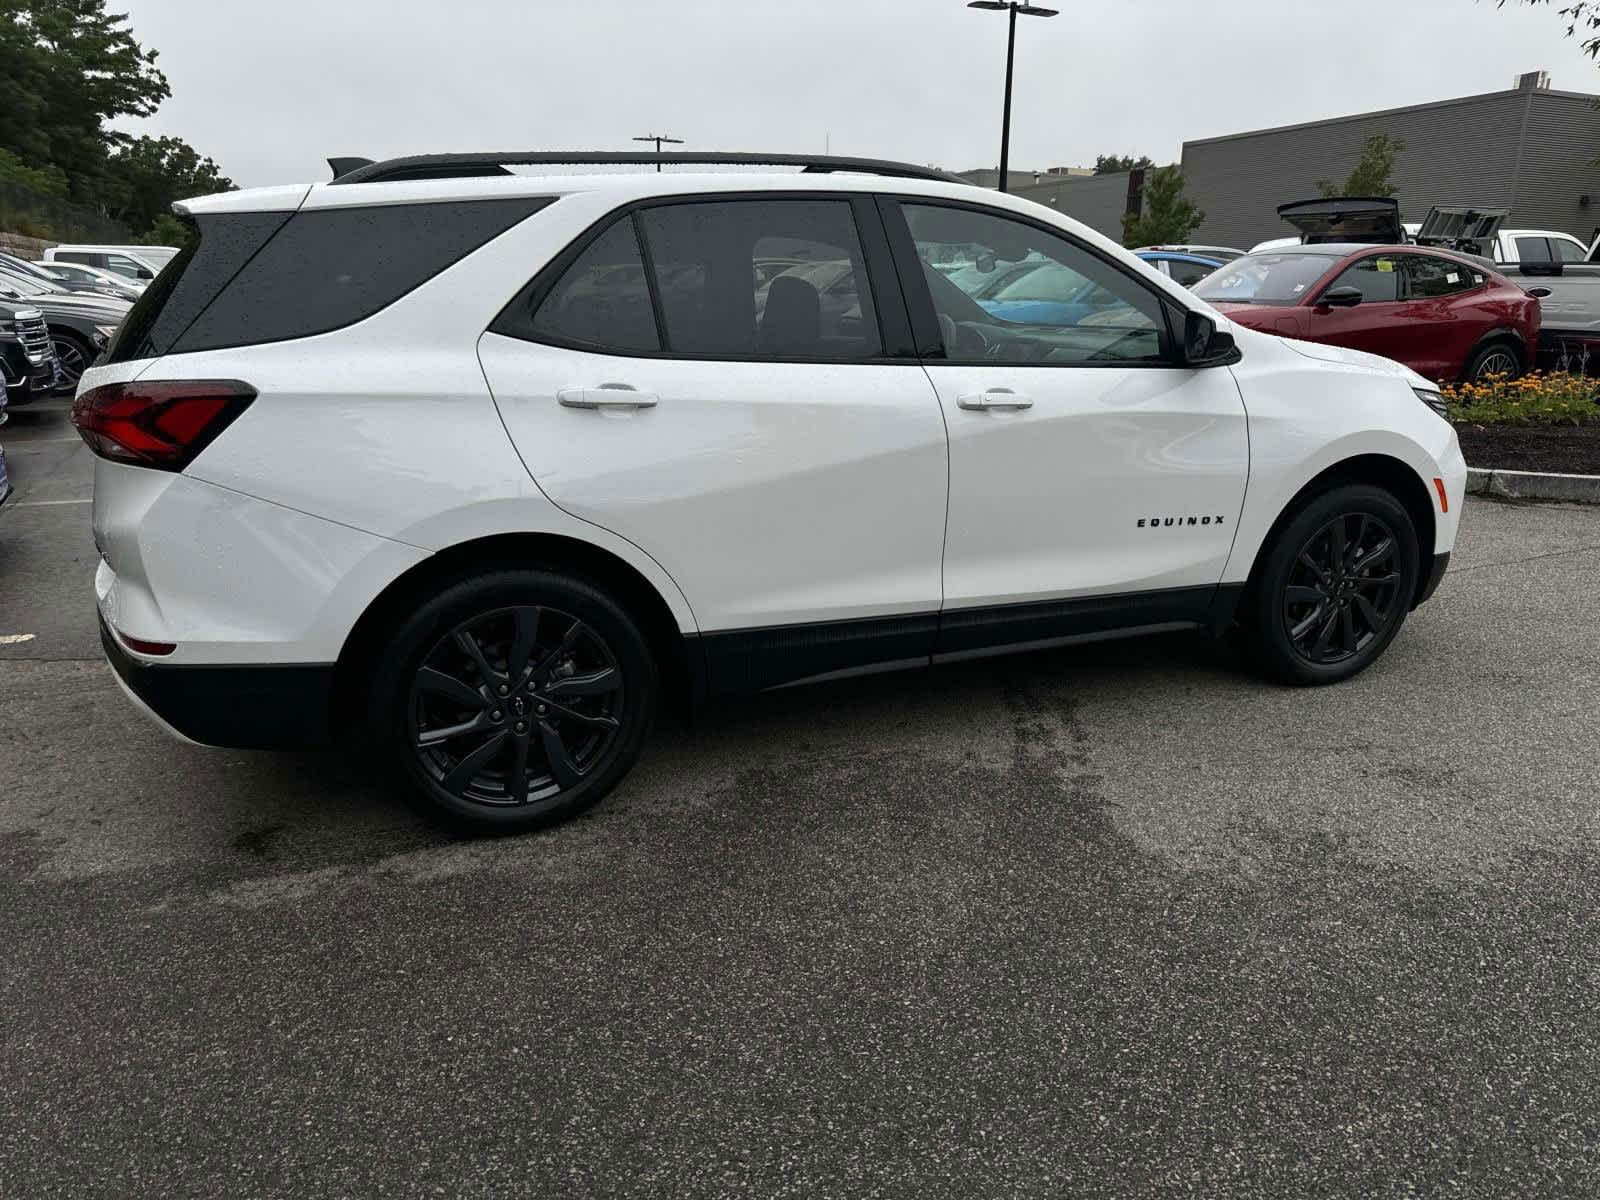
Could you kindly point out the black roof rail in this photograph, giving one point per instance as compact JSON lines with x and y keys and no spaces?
{"x":458,"y":166}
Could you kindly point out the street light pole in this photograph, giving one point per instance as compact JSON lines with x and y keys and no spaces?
{"x":658,"y":138}
{"x":1012,"y":8}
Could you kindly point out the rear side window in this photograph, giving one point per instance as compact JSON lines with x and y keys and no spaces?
{"x":762,"y":279}
{"x":602,"y":300}
{"x":1566,"y":251}
{"x":1533,"y":249}
{"x":249,"y":278}
{"x":1432,"y":277}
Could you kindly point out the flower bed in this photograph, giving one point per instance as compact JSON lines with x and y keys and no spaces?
{"x":1539,"y":422}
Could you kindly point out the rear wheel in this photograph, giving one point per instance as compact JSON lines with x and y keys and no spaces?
{"x":515,"y":699}
{"x":1497,"y":358}
{"x":1335,"y":586}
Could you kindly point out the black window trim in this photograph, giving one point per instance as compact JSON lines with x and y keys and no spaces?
{"x":925,"y":322}
{"x":515,"y":319}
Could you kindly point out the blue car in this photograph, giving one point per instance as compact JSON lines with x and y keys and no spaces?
{"x":1044,"y":292}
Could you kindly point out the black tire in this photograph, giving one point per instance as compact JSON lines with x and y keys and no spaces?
{"x":1499,"y":357}
{"x":1308,"y":621}
{"x":562,"y":635}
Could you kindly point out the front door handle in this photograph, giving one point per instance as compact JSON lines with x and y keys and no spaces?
{"x":607,"y":395}
{"x":994,"y":400}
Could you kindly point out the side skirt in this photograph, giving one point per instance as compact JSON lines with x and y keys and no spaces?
{"x":777,"y":656}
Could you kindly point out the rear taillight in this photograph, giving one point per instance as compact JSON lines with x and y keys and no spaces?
{"x":159,"y":424}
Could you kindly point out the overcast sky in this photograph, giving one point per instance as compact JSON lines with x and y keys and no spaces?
{"x":270,"y":90}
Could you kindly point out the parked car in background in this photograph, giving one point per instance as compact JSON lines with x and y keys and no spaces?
{"x":1218,"y":253}
{"x":1446,"y":316}
{"x":49,"y":282}
{"x":118,"y":285}
{"x":80,"y":325}
{"x":1184,"y":269}
{"x":142,"y":263}
{"x":27,"y":362}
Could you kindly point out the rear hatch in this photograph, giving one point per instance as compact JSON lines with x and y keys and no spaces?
{"x":1373,"y":220}
{"x":1457,"y":227}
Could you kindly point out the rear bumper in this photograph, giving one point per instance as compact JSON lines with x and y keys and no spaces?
{"x":246,"y":707}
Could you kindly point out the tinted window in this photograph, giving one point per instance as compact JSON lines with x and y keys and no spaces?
{"x":82,"y":256}
{"x":1271,"y":277}
{"x":602,"y":300}
{"x":123,"y":265}
{"x":1566,"y":251}
{"x":217,"y":247}
{"x":1031,"y":295}
{"x":327,"y":268}
{"x":1187,"y":273}
{"x":1533,"y":249}
{"x":761,"y":279}
{"x":1430,"y":277}
{"x":1377,"y":278}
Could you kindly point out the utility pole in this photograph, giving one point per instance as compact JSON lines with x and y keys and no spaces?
{"x":658,"y":138}
{"x":1013,"y":8}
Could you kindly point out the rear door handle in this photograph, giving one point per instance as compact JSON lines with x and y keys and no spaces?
{"x":995,"y":400}
{"x":607,"y":395}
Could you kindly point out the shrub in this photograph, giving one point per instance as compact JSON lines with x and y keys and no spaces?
{"x":1537,"y":398}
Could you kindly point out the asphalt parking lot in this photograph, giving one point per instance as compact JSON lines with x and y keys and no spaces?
{"x":1114,"y":921}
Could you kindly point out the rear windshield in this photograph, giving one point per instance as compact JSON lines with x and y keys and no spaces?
{"x":1267,"y":278}
{"x":246,"y":278}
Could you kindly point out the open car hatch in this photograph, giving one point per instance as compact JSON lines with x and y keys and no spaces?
{"x":1457,"y":227}
{"x":1373,"y":220}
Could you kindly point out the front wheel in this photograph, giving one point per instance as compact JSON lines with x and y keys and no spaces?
{"x":1335,"y":586}
{"x":515,"y":699}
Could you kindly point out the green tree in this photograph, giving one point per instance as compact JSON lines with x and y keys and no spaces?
{"x":146,"y":175}
{"x":50,"y":180}
{"x":1166,"y":214}
{"x":1110,"y":164}
{"x":1374,"y":170}
{"x":166,"y":230}
{"x":69,"y":66}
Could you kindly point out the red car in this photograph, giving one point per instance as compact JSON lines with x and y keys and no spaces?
{"x":1447,"y":316}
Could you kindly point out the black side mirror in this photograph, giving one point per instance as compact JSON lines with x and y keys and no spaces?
{"x":1204,"y":345}
{"x":1339,"y":297}
{"x":143,"y":274}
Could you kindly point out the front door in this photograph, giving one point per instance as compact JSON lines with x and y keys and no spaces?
{"x":729,"y":384}
{"x":1091,"y":479}
{"x":1380,"y":324}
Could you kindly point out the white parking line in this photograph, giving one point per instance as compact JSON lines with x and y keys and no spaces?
{"x":11,"y":639}
{"x":48,"y":503}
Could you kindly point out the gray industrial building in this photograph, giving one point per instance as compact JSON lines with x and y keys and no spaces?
{"x":1529,"y":149}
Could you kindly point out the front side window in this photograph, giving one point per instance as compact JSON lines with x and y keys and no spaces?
{"x":1187,"y":273}
{"x":1430,"y":277}
{"x":1271,"y":277}
{"x":1566,"y":251}
{"x":1377,"y":278}
{"x":1026,"y":295}
{"x":764,"y":279}
{"x":124,"y":265}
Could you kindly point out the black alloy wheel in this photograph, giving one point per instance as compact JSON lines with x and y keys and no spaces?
{"x":1343,"y":589}
{"x":513,"y":698}
{"x":515,"y":707}
{"x":1333,"y":586}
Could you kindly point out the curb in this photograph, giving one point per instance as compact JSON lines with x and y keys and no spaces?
{"x":1533,"y":485}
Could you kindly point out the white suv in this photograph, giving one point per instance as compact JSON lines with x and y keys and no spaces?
{"x":479,"y":462}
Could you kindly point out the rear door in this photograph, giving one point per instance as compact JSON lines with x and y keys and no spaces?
{"x":728,"y":382}
{"x":1443,"y":322}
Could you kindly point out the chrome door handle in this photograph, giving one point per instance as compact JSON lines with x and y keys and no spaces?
{"x":607,"y":395}
{"x":994,"y":400}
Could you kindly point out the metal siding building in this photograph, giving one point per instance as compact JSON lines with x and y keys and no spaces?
{"x":1097,"y":200}
{"x":1529,"y":149}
